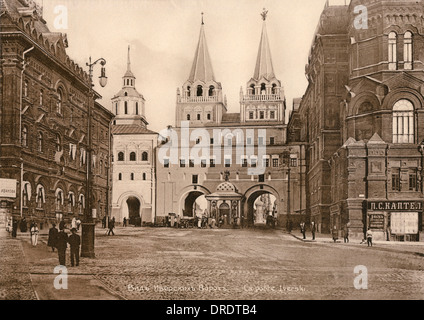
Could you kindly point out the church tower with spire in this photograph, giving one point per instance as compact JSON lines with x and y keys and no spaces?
{"x":128,"y":103}
{"x":201,"y":101}
{"x":264,"y":101}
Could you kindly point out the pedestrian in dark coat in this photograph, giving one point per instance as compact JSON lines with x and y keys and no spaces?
{"x":62,"y":245}
{"x":111,"y":226}
{"x":14,"y":228}
{"x":313,"y":230}
{"x":74,"y":241}
{"x":52,"y":240}
{"x":303,"y":229}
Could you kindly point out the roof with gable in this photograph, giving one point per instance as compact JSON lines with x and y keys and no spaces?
{"x":131,"y":129}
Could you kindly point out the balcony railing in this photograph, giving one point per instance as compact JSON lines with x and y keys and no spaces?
{"x":262,"y":97}
{"x":199,"y":99}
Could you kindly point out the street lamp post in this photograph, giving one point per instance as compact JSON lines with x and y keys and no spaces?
{"x":88,"y":225}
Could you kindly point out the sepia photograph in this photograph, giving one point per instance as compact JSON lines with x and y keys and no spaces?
{"x":211,"y":150}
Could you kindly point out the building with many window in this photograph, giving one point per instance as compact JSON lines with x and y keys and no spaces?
{"x":236,"y":168}
{"x":43,"y":122}
{"x":362,"y":117}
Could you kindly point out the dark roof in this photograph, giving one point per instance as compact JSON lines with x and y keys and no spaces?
{"x":231,"y":117}
{"x":131,"y":129}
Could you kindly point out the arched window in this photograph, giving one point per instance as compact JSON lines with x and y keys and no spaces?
{"x":274,"y":89}
{"x":188,"y":117}
{"x":403,"y":122}
{"x":392,"y":51}
{"x":71,"y":201}
{"x":252,"y":87}
{"x":40,"y":142}
{"x":144,"y":176}
{"x":133,"y":156}
{"x":407,"y":51}
{"x":263,"y":88}
{"x":126,"y":94}
{"x":188,"y":91}
{"x":136,"y":108}
{"x":81,"y":203}
{"x":59,"y":101}
{"x":24,"y":136}
{"x":132,"y":176}
{"x":120,"y":156}
{"x":59,"y":199}
{"x":58,"y":143}
{"x":26,"y":193}
{"x":199,"y":91}
{"x":120,"y":176}
{"x":116,"y":109}
{"x":41,"y":196}
{"x":144,"y":156}
{"x":211,"y":91}
{"x":126,"y":107}
{"x":198,"y":116}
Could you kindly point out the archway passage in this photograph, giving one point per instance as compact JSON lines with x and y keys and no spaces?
{"x":134,"y":211}
{"x":225,"y":214}
{"x":260,"y":206}
{"x":189,"y":203}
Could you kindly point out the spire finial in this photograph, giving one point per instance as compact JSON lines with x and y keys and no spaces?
{"x":264,"y":14}
{"x":128,"y":59}
{"x":202,"y":19}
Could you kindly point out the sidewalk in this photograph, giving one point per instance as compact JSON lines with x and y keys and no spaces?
{"x":27,"y":272}
{"x":15,"y":280}
{"x":327,"y":238}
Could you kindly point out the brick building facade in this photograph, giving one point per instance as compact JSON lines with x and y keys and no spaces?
{"x":43,"y":122}
{"x":362,"y":118}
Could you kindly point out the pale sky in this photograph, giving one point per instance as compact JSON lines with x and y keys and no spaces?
{"x":163,"y":36}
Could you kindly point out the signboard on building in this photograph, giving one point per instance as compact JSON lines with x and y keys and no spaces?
{"x":376,"y":221}
{"x":395,"y":206}
{"x":7,"y":188}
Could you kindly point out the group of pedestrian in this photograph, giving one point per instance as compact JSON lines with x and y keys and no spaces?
{"x":303,"y":229}
{"x":59,"y":240}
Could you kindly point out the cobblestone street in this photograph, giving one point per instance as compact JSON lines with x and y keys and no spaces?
{"x":223,"y":264}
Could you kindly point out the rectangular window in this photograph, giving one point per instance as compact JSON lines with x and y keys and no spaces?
{"x":272,"y":115}
{"x":249,"y":141}
{"x":266,"y":162}
{"x":251,"y":115}
{"x":209,"y":116}
{"x":198,"y":116}
{"x":227,"y":162}
{"x":261,"y":115}
{"x":229,"y":142}
{"x":272,"y":141}
{"x":182,"y":163}
{"x":212,"y":163}
{"x":396,"y":179}
{"x":203,"y":163}
{"x":261,"y":141}
{"x":195,"y":179}
{"x":413,"y":185}
{"x":275,"y":162}
{"x":244,"y":162}
{"x":166,"y":163}
{"x":191,"y":163}
{"x":253,"y":162}
{"x":262,"y":178}
{"x":293,"y":162}
{"x":212,"y":141}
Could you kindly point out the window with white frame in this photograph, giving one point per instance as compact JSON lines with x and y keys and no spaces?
{"x":403,"y":122}
{"x":407,"y":51}
{"x":59,"y":199}
{"x":71,"y":201}
{"x":392,"y":51}
{"x":41,"y":196}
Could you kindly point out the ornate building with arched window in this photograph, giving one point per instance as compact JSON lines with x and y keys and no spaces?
{"x":43,"y":122}
{"x":133,"y":193}
{"x":362,"y":118}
